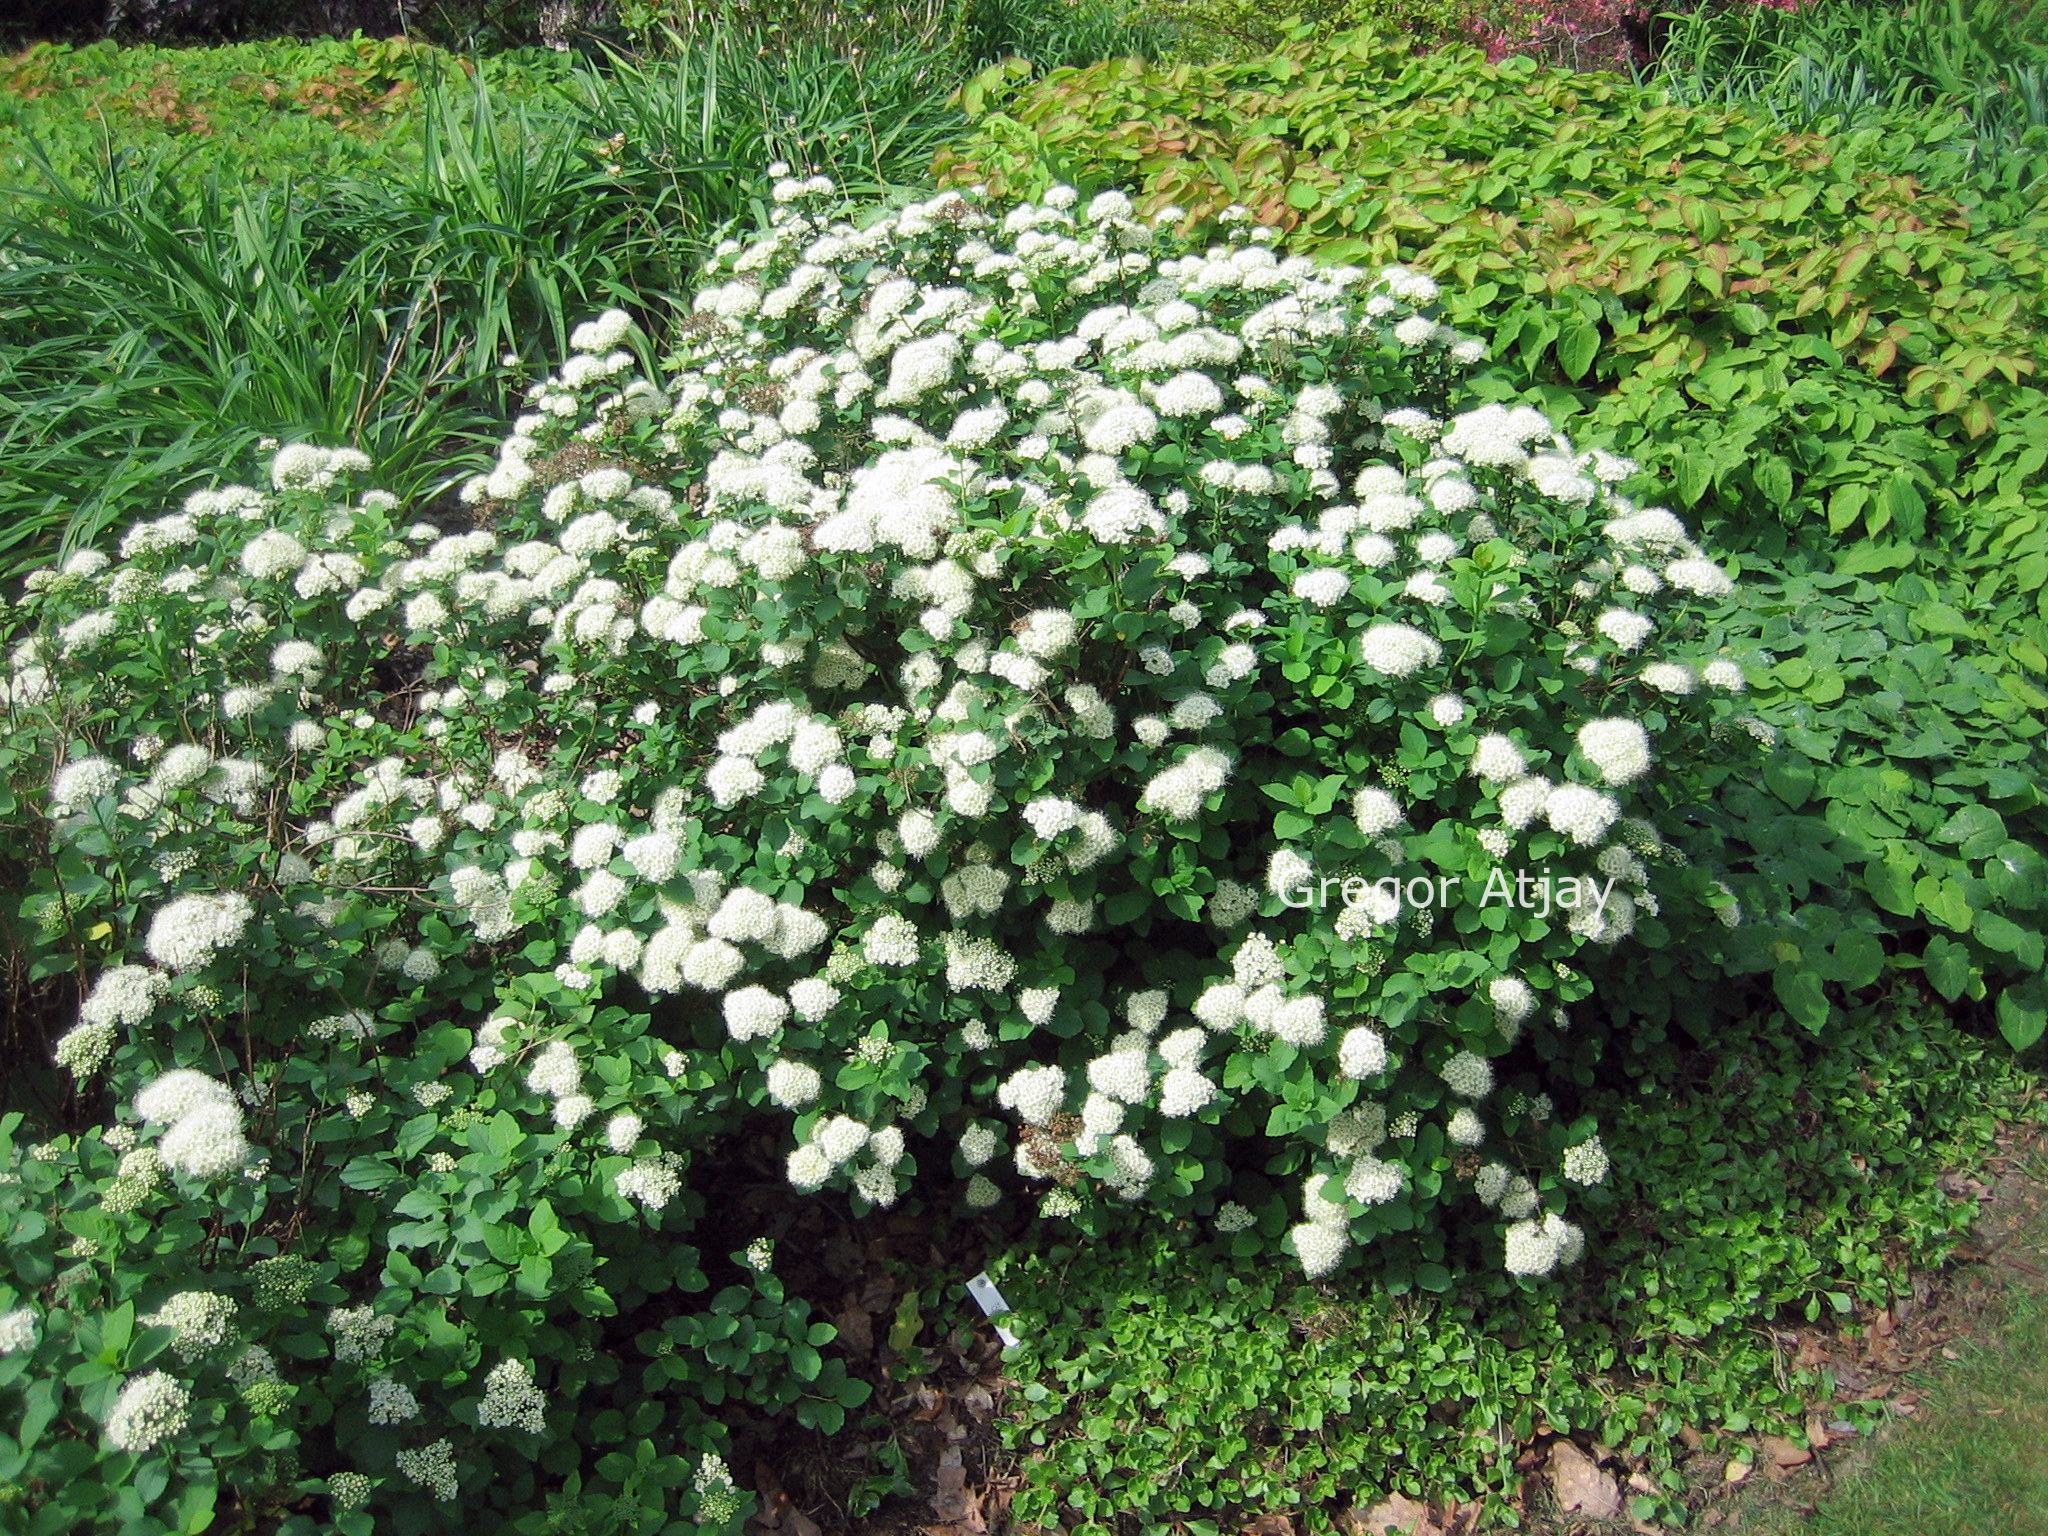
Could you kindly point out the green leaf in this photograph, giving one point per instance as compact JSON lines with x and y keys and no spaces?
{"x":1858,"y":959}
{"x":1868,"y":559}
{"x":1802,"y":995}
{"x":1948,"y":967}
{"x":1576,"y":346}
{"x":2023,"y":1012}
{"x":908,"y":1324}
{"x":1890,"y":882}
{"x":1907,"y":508}
{"x":1790,"y":778}
{"x":1977,"y":830}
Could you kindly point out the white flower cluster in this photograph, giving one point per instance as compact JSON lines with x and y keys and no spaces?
{"x":359,"y":1333}
{"x":511,"y":1400}
{"x":932,"y":686}
{"x":202,"y":1123}
{"x":17,"y":1331}
{"x":150,"y":1409}
{"x":201,"y":1320}
{"x":432,"y":1467}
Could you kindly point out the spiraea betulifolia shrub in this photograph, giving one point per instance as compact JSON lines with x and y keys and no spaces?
{"x":1025,"y":703}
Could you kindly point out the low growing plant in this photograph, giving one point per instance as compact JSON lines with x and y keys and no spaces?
{"x":1763,"y":1184}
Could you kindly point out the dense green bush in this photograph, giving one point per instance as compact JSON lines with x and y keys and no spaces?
{"x":1899,"y":827}
{"x":1758,"y":1182}
{"x":1809,"y":344}
{"x":1047,"y":668}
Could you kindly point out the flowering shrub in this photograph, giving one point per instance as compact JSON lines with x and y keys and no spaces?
{"x":1025,"y":702}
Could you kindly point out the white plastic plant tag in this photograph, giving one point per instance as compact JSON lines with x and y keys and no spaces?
{"x":991,"y":1302}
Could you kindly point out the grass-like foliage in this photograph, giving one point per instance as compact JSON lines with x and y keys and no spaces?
{"x":1835,"y":62}
{"x":919,"y":721}
{"x":171,"y":300}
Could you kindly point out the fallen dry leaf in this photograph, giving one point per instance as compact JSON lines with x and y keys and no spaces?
{"x":1784,"y":1453}
{"x":1581,"y":1487}
{"x":856,"y":1329}
{"x":1396,"y":1512}
{"x":1735,"y":1471}
{"x":953,"y":1502}
{"x":1271,"y":1525}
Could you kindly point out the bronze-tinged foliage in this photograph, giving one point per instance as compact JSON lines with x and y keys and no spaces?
{"x":1814,"y":345}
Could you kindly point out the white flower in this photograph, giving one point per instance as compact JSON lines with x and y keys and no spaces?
{"x":808,"y":1168}
{"x":1618,"y":748}
{"x":1467,"y":1075}
{"x":200,"y":1320}
{"x":1376,"y":812}
{"x":812,"y":998}
{"x":1299,"y":1021}
{"x":1372,"y":1181}
{"x":1232,"y":1217}
{"x":391,"y":1402}
{"x":555,"y":1071}
{"x":1362,"y":1052}
{"x":1047,"y":632}
{"x":1034,"y":1093}
{"x":1586,"y":1163}
{"x":1397,"y":650}
{"x":511,"y":1400}
{"x":1038,"y":1003}
{"x":1672,"y":678}
{"x":189,"y":932}
{"x":432,"y":1467}
{"x":1524,"y":800}
{"x":206,"y":1142}
{"x":622,"y":1132}
{"x":975,"y":963}
{"x":1122,"y":1075}
{"x":840,"y":1138}
{"x":1323,"y":587}
{"x":150,"y":1409}
{"x":1580,"y":813}
{"x":1122,"y":514}
{"x":359,"y":1333}
{"x":1497,"y":760}
{"x":1319,"y":1247}
{"x":754,"y":1012}
{"x":1725,"y":675}
{"x":81,"y":781}
{"x":1184,"y":1091}
{"x":17,"y":1331}
{"x":1513,"y":1001}
{"x":1530,"y":1249}
{"x":793,"y":1084}
{"x":1702,"y":578}
{"x":1625,"y":628}
{"x":978,"y":1144}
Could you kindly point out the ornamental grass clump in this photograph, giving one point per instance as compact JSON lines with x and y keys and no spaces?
{"x":1023,"y":703}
